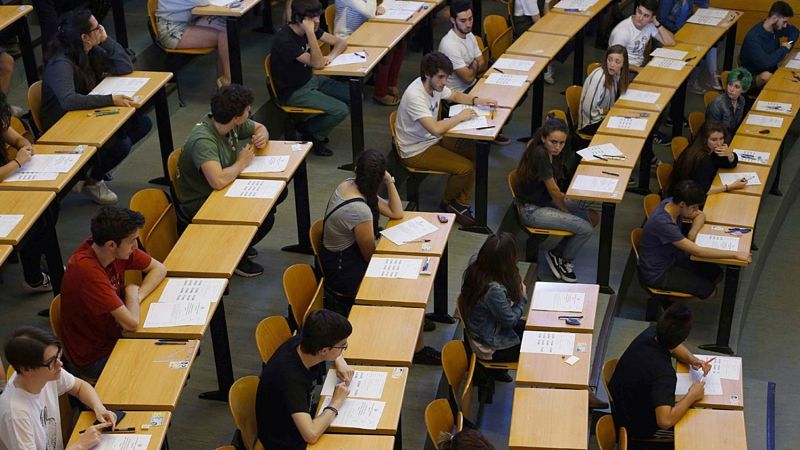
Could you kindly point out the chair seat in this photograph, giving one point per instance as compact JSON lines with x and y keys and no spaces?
{"x":301,"y":110}
{"x":677,"y":294}
{"x":189,"y":51}
{"x":425,"y":171}
{"x":548,"y":231}
{"x":498,"y":365}
{"x":584,"y":136}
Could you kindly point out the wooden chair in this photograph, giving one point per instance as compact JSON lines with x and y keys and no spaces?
{"x":315,"y":236}
{"x":606,"y":433}
{"x":242,"y":402}
{"x":696,"y":120}
{"x":151,"y":203}
{"x":493,"y":26}
{"x":35,"y":104}
{"x":55,"y":316}
{"x":723,"y":78}
{"x":678,"y":144}
{"x":622,"y":438}
{"x":299,"y":285}
{"x":573,"y":97}
{"x":483,"y":47}
{"x":636,"y":237}
{"x":330,"y":17}
{"x":457,"y":370}
{"x":20,"y":128}
{"x":439,"y":419}
{"x":650,"y":202}
{"x":500,"y":44}
{"x":293,"y":113}
{"x":708,"y":97}
{"x":173,"y":171}
{"x":510,"y":12}
{"x":317,"y":302}
{"x":606,"y":373}
{"x":663,"y":172}
{"x":163,"y":235}
{"x":622,"y":435}
{"x":590,"y":68}
{"x":270,"y":334}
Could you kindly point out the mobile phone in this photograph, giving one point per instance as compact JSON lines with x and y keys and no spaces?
{"x":442,"y":218}
{"x":572,"y":321}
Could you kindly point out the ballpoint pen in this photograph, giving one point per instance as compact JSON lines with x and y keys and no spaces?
{"x":495,"y":68}
{"x":610,"y":173}
{"x":485,"y":128}
{"x":418,"y":241}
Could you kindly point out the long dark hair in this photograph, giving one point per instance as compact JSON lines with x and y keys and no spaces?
{"x":5,"y":123}
{"x":526,"y":170}
{"x":370,"y":168}
{"x":87,"y":69}
{"x":467,"y":439}
{"x":691,"y":158}
{"x":496,"y":261}
{"x":624,"y":74}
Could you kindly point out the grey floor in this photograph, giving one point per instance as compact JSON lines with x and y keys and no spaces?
{"x":199,"y":424}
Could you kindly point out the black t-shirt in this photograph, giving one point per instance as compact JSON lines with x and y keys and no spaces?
{"x":284,"y":389}
{"x":288,"y":73}
{"x":707,"y":169}
{"x":533,"y":190}
{"x":643,"y":380}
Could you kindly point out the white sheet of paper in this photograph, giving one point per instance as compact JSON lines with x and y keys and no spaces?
{"x":471,"y":124}
{"x":595,"y":184}
{"x":635,"y":95}
{"x":505,"y":79}
{"x":730,"y":243}
{"x":580,"y":5}
{"x":348,"y":58}
{"x":220,"y":2}
{"x":726,"y":367}
{"x":484,"y":111}
{"x":730,"y":178}
{"x":176,"y":314}
{"x":403,"y":5}
{"x":254,"y":188}
{"x":514,"y":64}
{"x":396,"y":14}
{"x":669,"y":53}
{"x":704,"y":20}
{"x":559,"y":301}
{"x":8,"y":222}
{"x":119,"y":85}
{"x":407,"y":269}
{"x":270,"y":164}
{"x":365,"y":384}
{"x":764,"y":121}
{"x":357,"y":413}
{"x":19,"y":175}
{"x":793,"y":64}
{"x":713,"y":386}
{"x":409,"y":230}
{"x":607,"y":150}
{"x":51,"y":163}
{"x":664,"y":63}
{"x":196,"y":290}
{"x":778,"y":107}
{"x":752,"y":156}
{"x":123,"y":442}
{"x":627,"y":123}
{"x":548,"y":342}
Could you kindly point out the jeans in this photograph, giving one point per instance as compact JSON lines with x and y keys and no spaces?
{"x":454,"y":157}
{"x":323,"y":93}
{"x":576,"y":221}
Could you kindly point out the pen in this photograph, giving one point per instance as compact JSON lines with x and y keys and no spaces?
{"x":426,"y":264}
{"x":600,"y":157}
{"x":615,"y":156}
{"x":115,"y":431}
{"x":484,"y":128}
{"x":495,"y":68}
{"x":170,"y":343}
{"x":690,"y":58}
{"x":360,"y":55}
{"x":569,"y":317}
{"x":66,"y":152}
{"x":611,"y":173}
{"x":171,"y":340}
{"x":418,"y":241}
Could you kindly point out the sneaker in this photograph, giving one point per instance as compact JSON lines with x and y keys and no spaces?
{"x":500,"y":375}
{"x":548,"y":75}
{"x":428,"y":356}
{"x":502,"y":140}
{"x":251,"y":252}
{"x":715,"y":83}
{"x":16,"y":111}
{"x":567,"y":271}
{"x":42,"y":286}
{"x":464,"y":215}
{"x":321,"y":150}
{"x":660,"y":138}
{"x":248,"y":269}
{"x":99,"y":193}
{"x":553,"y":261}
{"x":695,"y":88}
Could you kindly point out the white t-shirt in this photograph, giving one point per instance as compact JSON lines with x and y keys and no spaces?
{"x":461,"y":53}
{"x":633,"y":39}
{"x":412,"y":137}
{"x":32,"y":421}
{"x":526,"y":8}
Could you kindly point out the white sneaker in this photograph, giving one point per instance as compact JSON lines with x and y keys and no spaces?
{"x":548,"y":75}
{"x":16,"y":111}
{"x":695,"y":88}
{"x":100,"y":193}
{"x":716,"y":84}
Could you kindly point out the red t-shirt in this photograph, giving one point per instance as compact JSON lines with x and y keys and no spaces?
{"x":89,"y":292}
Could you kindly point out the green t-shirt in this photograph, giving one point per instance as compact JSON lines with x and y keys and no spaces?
{"x":206,"y":144}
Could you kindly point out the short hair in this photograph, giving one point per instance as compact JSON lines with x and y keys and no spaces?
{"x":324,"y":328}
{"x":780,"y":8}
{"x":305,"y":8}
{"x":25,"y":347}
{"x":674,"y":325}
{"x":230,"y":101}
{"x":433,"y":62}
{"x":650,"y":5}
{"x":741,"y":75}
{"x":459,"y":6}
{"x":467,"y":439}
{"x":114,"y":224}
{"x":688,"y":192}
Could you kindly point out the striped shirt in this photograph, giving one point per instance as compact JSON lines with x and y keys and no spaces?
{"x":596,"y":100}
{"x":350,"y":14}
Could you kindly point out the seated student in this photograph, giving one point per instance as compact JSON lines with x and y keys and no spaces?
{"x":419,"y":133}
{"x":635,"y":32}
{"x":664,"y":251}
{"x":295,"y":54}
{"x":466,"y":439}
{"x":29,"y":413}
{"x":80,"y":56}
{"x":762,"y":49}
{"x":179,"y":29}
{"x":526,"y":13}
{"x":602,"y":88}
{"x":542,"y":203}
{"x":701,"y":160}
{"x":211,"y":159}
{"x":283,"y":400}
{"x":643,"y":384}
{"x":727,"y":108}
{"x":351,"y":14}
{"x":95,"y":303}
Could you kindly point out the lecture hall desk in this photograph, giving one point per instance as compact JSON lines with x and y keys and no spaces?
{"x":398,"y":291}
{"x":383,"y":335}
{"x":132,"y":419}
{"x":232,"y":18}
{"x":765,"y":132}
{"x":353,"y":442}
{"x":651,"y":119}
{"x":731,"y":209}
{"x":424,"y":16}
{"x":569,"y":25}
{"x":15,"y":14}
{"x":210,"y":251}
{"x":539,"y":320}
{"x":84,"y":127}
{"x":550,"y":371}
{"x":537,"y":83}
{"x":5,"y":250}
{"x":664,"y":96}
{"x":30,"y":205}
{"x":549,"y":419}
{"x":60,"y":183}
{"x":750,"y":189}
{"x":732,"y":391}
{"x":693,"y":33}
{"x":630,"y":147}
{"x":711,"y":429}
{"x":221,"y":210}
{"x":784,"y":80}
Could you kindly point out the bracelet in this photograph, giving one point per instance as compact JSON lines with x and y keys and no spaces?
{"x":473,"y":100}
{"x":659,"y":25}
{"x":334,"y":410}
{"x":20,"y":165}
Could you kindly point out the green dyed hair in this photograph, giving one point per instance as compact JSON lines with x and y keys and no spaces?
{"x":741,"y":75}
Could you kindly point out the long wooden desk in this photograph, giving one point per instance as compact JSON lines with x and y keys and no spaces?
{"x":15,"y":15}
{"x":664,"y":96}
{"x":383,"y":335}
{"x":84,"y":127}
{"x":750,"y":189}
{"x":377,"y":34}
{"x":5,"y":250}
{"x":353,"y":442}
{"x":629,"y":146}
{"x":221,"y":210}
{"x":549,"y":419}
{"x":765,"y":132}
{"x":63,"y":179}
{"x":548,"y":320}
{"x":731,"y":209}
{"x":30,"y":205}
{"x":617,"y":111}
{"x":732,"y":391}
{"x":550,"y":371}
{"x":744,"y":142}
{"x":693,"y":33}
{"x":398,"y":291}
{"x":711,"y":429}
{"x":211,"y":251}
{"x":572,"y":26}
{"x":135,"y":419}
{"x":533,"y":43}
{"x":784,"y":80}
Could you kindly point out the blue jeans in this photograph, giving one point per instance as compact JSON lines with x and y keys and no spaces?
{"x":576,"y":221}
{"x":323,"y":93}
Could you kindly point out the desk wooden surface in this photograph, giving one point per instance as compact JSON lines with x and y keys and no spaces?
{"x":211,"y":10}
{"x":359,"y":69}
{"x":707,"y":35}
{"x":83,"y":127}
{"x":544,"y":370}
{"x":743,"y":142}
{"x":782,"y":97}
{"x":665,"y":95}
{"x":694,"y":52}
{"x":138,"y":375}
{"x":745,"y":242}
{"x":590,"y":12}
{"x":281,"y":148}
{"x":30,"y":205}
{"x":209,"y":250}
{"x":732,"y":391}
{"x":5,"y":250}
{"x":763,"y":175}
{"x":657,"y":76}
{"x":11,"y":13}
{"x":132,"y":419}
{"x":413,"y":20}
{"x":221,"y":210}
{"x":501,"y":116}
{"x":384,"y":335}
{"x":629,"y":146}
{"x":398,"y":291}
{"x":353,"y":442}
{"x":538,"y":67}
{"x":438,"y":238}
{"x":533,"y":43}
{"x":711,"y":429}
{"x":549,"y":419}
{"x":156,"y":81}
{"x":775,"y":133}
{"x":62,"y":180}
{"x":731,"y":209}
{"x":784,"y":80}
{"x":651,"y":118}
{"x":548,"y":320}
{"x":379,"y":34}
{"x":561,"y":24}
{"x":597,"y":171}
{"x":506,"y":96}
{"x":393,"y":391}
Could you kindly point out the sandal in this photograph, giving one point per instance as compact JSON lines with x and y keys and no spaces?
{"x":387,"y":100}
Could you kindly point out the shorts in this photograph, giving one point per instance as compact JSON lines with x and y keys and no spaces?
{"x":171,"y":32}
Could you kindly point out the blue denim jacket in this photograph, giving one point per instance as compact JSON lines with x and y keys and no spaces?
{"x":721,"y":110}
{"x":492,"y":319}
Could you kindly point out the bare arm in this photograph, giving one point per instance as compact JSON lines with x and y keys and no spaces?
{"x":337,"y":45}
{"x":698,"y":221}
{"x":84,"y":392}
{"x":668,"y":416}
{"x":710,"y":253}
{"x":312,"y":429}
{"x":365,"y":238}
{"x":664,"y":35}
{"x":555,"y":194}
{"x":393,"y":208}
{"x":127,"y":315}
{"x":218,"y":177}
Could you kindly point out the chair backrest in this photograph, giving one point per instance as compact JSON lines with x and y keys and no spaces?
{"x":330,"y":17}
{"x":315,"y":236}
{"x":663,"y":171}
{"x":483,"y":47}
{"x":573,"y":97}
{"x":152,"y":5}
{"x":163,"y":235}
{"x":466,"y":393}
{"x":590,"y":68}
{"x":636,"y":237}
{"x":622,"y":438}
{"x":650,"y":202}
{"x":455,"y":365}
{"x":512,"y":181}
{"x":151,"y":203}
{"x":270,"y":334}
{"x":299,"y":285}
{"x":392,"y":122}
{"x":709,"y":96}
{"x":55,"y":316}
{"x":316,"y":303}
{"x":20,"y":128}
{"x":605,"y":433}
{"x":611,"y":365}
{"x":438,"y":419}
{"x":242,"y":402}
{"x":510,"y":12}
{"x":501,"y":43}
{"x":723,"y":78}
{"x":696,"y":120}
{"x":35,"y":103}
{"x":678,"y":144}
{"x":173,"y":170}
{"x":493,"y":26}
{"x":273,"y":93}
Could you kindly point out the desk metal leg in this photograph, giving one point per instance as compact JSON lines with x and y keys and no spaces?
{"x":222,"y":355}
{"x":120,"y":29}
{"x":164,"y":134}
{"x":28,"y":57}
{"x":481,"y":189}
{"x":439,"y":313}
{"x":643,"y":187}
{"x":477,"y":14}
{"x":266,"y":17}
{"x":55,"y":263}
{"x":604,"y":252}
{"x":234,"y":53}
{"x":776,"y":182}
{"x":427,"y":34}
{"x":730,"y":46}
{"x":302,"y":211}
{"x":356,"y":121}
{"x":577,"y":58}
{"x":537,"y":107}
{"x":726,"y":312}
{"x":676,"y":109}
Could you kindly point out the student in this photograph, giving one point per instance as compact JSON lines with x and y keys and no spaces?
{"x":351,"y":14}
{"x":211,"y":159}
{"x":179,"y":29}
{"x":673,"y":14}
{"x":96,"y":305}
{"x":643,"y":384}
{"x":29,"y":412}
{"x":541,"y":202}
{"x":295,"y":54}
{"x":526,"y":13}
{"x":419,"y":133}
{"x":466,"y":439}
{"x":762,"y":49}
{"x":602,"y":88}
{"x":728,"y":108}
{"x":460,"y":45}
{"x":80,"y":56}
{"x":635,"y":32}
{"x":707,"y":154}
{"x":283,"y":400}
{"x":664,"y":251}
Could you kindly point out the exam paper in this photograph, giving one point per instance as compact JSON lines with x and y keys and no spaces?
{"x":8,"y":222}
{"x":730,"y":178}
{"x":727,"y":367}
{"x":404,"y":5}
{"x":779,"y":107}
{"x":123,"y":442}
{"x":627,"y":123}
{"x":254,"y":188}
{"x":176,"y":314}
{"x":580,"y":5}
{"x":665,"y":63}
{"x":548,"y":342}
{"x":559,"y":301}
{"x":197,"y":290}
{"x":349,"y":58}
{"x":504,"y":79}
{"x":793,"y":64}
{"x":396,"y":14}
{"x":595,"y":184}
{"x":267,"y":164}
{"x":635,"y":95}
{"x":220,"y":2}
{"x":471,"y":124}
{"x":764,"y":121}
{"x":669,"y":53}
{"x":713,"y":385}
{"x":484,"y":111}
{"x":357,"y":413}
{"x":607,"y":151}
{"x":404,"y":268}
{"x":119,"y":85}
{"x":730,"y":243}
{"x":51,"y":163}
{"x":365,"y":384}
{"x":20,"y":175}
{"x":409,"y":230}
{"x":752,"y":156}
{"x":708,"y":16}
{"x":506,"y":63}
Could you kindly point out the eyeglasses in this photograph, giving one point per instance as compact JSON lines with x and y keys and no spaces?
{"x":51,"y":363}
{"x":95,"y":28}
{"x":343,"y":347}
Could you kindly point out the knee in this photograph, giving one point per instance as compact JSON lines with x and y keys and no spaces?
{"x":6,"y":63}
{"x":338,"y":110}
{"x":594,"y":218}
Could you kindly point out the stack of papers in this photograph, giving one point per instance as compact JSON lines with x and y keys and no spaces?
{"x":471,"y":124}
{"x":176,"y":314}
{"x":254,"y":188}
{"x":405,"y":268}
{"x":793,"y":64}
{"x":123,"y":442}
{"x":669,"y":53}
{"x":548,"y":342}
{"x":764,"y":121}
{"x":44,"y":167}
{"x":119,"y":85}
{"x":558,"y":301}
{"x":184,"y":302}
{"x":31,"y":176}
{"x":752,"y":156}
{"x":409,"y":230}
{"x":484,"y":111}
{"x":603,"y":152}
{"x":778,"y":107}
{"x":580,"y":5}
{"x":196,"y":290}
{"x":595,"y":184}
{"x":397,"y":14}
{"x":504,"y":79}
{"x":404,"y":5}
{"x":364,"y":384}
{"x":723,"y":367}
{"x":357,"y":413}
{"x":732,"y":177}
{"x":506,"y":63}
{"x":349,"y":58}
{"x":261,"y":164}
{"x":635,"y":95}
{"x":729,"y":243}
{"x":664,"y":63}
{"x":627,"y":123}
{"x":8,"y":222}
{"x":708,"y":16}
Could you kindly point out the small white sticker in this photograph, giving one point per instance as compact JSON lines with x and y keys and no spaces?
{"x":297,"y":147}
{"x":397,"y":372}
{"x":572,"y":360}
{"x":581,"y":347}
{"x":178,"y":364}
